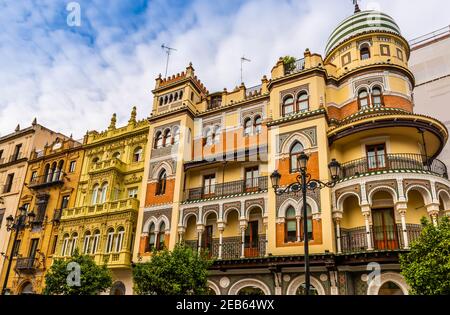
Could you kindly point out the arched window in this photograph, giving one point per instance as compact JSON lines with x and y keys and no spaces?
{"x":95,"y":242}
{"x":216,"y":134}
{"x":103,"y":193}
{"x":65,"y":245}
{"x":158,"y":140}
{"x":377,"y":97}
{"x":47,"y":173}
{"x":176,"y":135}
{"x":208,"y":136}
{"x":161,"y":101}
{"x":59,"y":171}
{"x":167,"y":138}
{"x":294,"y":153}
{"x":74,"y":243}
{"x":247,"y":127}
{"x":291,"y":225}
{"x":175,"y":98}
{"x":95,"y":194}
{"x":87,"y":243}
{"x":161,"y":235}
{"x":109,"y":241}
{"x":137,"y":154}
{"x":151,"y":237}
{"x":258,"y":124}
{"x":166,"y":99}
{"x":53,"y":172}
{"x":365,"y":51}
{"x":170,"y":98}
{"x":309,"y":223}
{"x":288,"y":105}
{"x":301,"y":290}
{"x":303,"y":102}
{"x":119,"y":239}
{"x":181,"y":95}
{"x":363,"y":99}
{"x":161,"y":185}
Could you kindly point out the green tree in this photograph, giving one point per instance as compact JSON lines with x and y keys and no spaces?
{"x":178,"y":272}
{"x":289,"y":63}
{"x":94,"y":279}
{"x":426,"y":267}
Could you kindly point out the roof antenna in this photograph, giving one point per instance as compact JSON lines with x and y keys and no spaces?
{"x":242,"y":61}
{"x":357,"y":9}
{"x":168,"y":52}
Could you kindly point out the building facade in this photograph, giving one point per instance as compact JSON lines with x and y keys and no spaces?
{"x":51,"y":183}
{"x":210,"y":156}
{"x":102,"y":222}
{"x":15,"y":150}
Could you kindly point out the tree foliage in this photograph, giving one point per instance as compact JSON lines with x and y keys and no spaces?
{"x":426,"y":267}
{"x":178,"y":272}
{"x":289,"y":63}
{"x":94,"y":279}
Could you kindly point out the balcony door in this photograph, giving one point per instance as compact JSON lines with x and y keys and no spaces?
{"x":251,"y":179}
{"x":376,"y":157}
{"x":207,"y":239}
{"x":251,"y":240}
{"x":209,"y":185}
{"x":33,"y":248}
{"x":384,"y":229}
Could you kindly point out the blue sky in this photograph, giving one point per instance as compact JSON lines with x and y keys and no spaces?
{"x":73,"y":78}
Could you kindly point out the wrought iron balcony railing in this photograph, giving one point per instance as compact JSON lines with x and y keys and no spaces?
{"x":403,"y":161}
{"x":27,"y":264}
{"x":227,"y":189}
{"x":47,"y":180}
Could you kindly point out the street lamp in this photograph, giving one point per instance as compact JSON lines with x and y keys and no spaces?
{"x":22,"y":221}
{"x":303,"y":183}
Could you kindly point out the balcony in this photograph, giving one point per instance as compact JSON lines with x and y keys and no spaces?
{"x":394,"y":162}
{"x":13,"y":158}
{"x":101,"y":209}
{"x":387,"y":238}
{"x":27,"y":264}
{"x":228,"y":189}
{"x":232,"y":248}
{"x":47,"y":180}
{"x":298,"y":66}
{"x":113,"y":163}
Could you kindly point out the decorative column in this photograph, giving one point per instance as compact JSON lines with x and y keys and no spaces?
{"x":266,"y":229}
{"x":337,"y":217}
{"x":200,"y":229}
{"x":243,"y":242}
{"x":221,"y":227}
{"x":299,"y":239}
{"x":401,"y":209}
{"x":433,"y":211}
{"x":181,"y":231}
{"x":366,"y":213}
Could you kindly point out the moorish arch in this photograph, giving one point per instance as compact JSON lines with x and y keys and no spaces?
{"x":249,"y":282}
{"x":383,"y":188}
{"x":424,"y":192}
{"x":292,"y":139}
{"x":375,"y":285}
{"x":208,"y":213}
{"x":444,"y":198}
{"x":227,"y":212}
{"x":297,"y":282}
{"x":162,"y":166}
{"x":340,"y":201}
{"x":214,"y":287}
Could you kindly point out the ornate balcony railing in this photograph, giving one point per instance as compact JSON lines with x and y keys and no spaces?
{"x":27,"y":264}
{"x":103,"y":208}
{"x":382,"y":238}
{"x":228,"y":188}
{"x":55,"y":178}
{"x":403,"y":161}
{"x":112,"y":163}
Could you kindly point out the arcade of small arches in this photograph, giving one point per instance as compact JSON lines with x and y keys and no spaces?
{"x":156,"y":231}
{"x":167,"y":137}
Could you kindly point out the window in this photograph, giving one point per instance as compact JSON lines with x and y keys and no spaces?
{"x":133,"y":192}
{"x":161,"y":235}
{"x":346,"y":59}
{"x":377,"y":97}
{"x":16,"y":248}
{"x":291,"y":225}
{"x":294,"y":153}
{"x":161,"y":101}
{"x":137,"y":154}
{"x":33,"y":248}
{"x":162,"y":181}
{"x":288,"y":105}
{"x":116,"y":155}
{"x":385,"y":50}
{"x":303,"y":102}
{"x":167,"y":138}
{"x":363,"y":99}
{"x":209,"y":184}
{"x":87,"y":243}
{"x":9,"y":183}
{"x":247,"y":127}
{"x":65,"y":202}
{"x":95,"y":242}
{"x":176,"y":135}
{"x":158,"y":140}
{"x":95,"y":194}
{"x":17,"y":153}
{"x":119,"y":239}
{"x":399,"y":54}
{"x":109,"y":241}
{"x":33,"y":176}
{"x":103,"y":193}
{"x":365,"y":51}
{"x":65,"y":245}
{"x":1,"y":155}
{"x":376,"y":156}
{"x":55,"y":243}
{"x":258,"y":125}
{"x":151,"y":237}
{"x":251,"y":177}
{"x":74,"y":243}
{"x":72,"y":166}
{"x":309,"y":224}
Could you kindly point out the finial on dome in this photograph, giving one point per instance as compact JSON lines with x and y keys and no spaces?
{"x":112,"y":125}
{"x":357,"y":9}
{"x":133,"y":116}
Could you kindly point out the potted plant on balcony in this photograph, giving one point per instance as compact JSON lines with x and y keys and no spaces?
{"x":289,"y":64}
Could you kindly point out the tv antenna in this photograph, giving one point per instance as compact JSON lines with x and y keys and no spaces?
{"x":243,"y":59}
{"x":168,"y":52}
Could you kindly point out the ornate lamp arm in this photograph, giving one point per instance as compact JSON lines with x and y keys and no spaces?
{"x":311,"y":184}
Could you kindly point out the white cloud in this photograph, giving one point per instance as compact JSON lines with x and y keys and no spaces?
{"x":51,"y":73}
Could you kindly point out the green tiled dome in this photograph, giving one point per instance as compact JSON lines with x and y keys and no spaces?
{"x":359,"y":23}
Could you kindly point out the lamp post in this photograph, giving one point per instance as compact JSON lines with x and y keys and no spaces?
{"x":22,"y":221}
{"x":303,"y":183}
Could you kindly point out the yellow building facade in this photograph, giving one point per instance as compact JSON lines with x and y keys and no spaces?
{"x":102,"y":222}
{"x":210,"y":157}
{"x":50,"y":187}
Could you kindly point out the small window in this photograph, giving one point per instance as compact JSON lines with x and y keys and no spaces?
{"x":309,"y":224}
{"x":151,"y":237}
{"x":161,"y":236}
{"x":161,"y":101}
{"x":258,"y":125}
{"x":87,"y":243}
{"x":252,"y":178}
{"x":109,"y":241}
{"x":291,"y":225}
{"x":365,"y":52}
{"x":74,"y":243}
{"x":119,"y":240}
{"x":303,"y":102}
{"x":399,"y":54}
{"x":95,"y":160}
{"x":133,"y":192}
{"x":95,"y":242}
{"x":176,"y":135}
{"x":363,"y":99}
{"x":95,"y":191}
{"x":33,"y":176}
{"x":346,"y":59}
{"x":167,"y":138}
{"x":288,"y":105}
{"x":65,"y":202}
{"x":161,"y":185}
{"x":296,"y":150}
{"x":9,"y":183}
{"x":209,"y":184}
{"x":72,"y":166}
{"x":103,"y":192}
{"x":158,"y":140}
{"x":385,"y":50}
{"x":16,"y":248}
{"x":116,"y":155}
{"x":137,"y":154}
{"x":377,"y":99}
{"x":55,"y":243}
{"x":247,"y":127}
